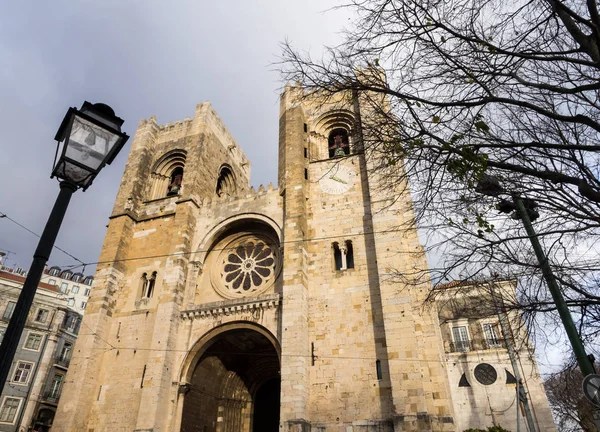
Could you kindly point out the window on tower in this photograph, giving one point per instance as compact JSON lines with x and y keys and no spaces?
{"x":343,"y":255}
{"x":225,"y":183}
{"x":167,"y":175}
{"x":338,"y":143}
{"x":175,"y":182}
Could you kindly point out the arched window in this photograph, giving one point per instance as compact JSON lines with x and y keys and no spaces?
{"x":337,"y":256}
{"x":175,"y":183}
{"x":167,"y":175}
{"x":338,"y":143}
{"x":343,"y":256}
{"x":225,"y":183}
{"x":148,"y":285}
{"x":349,"y":255}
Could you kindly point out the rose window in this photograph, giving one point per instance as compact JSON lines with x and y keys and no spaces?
{"x":247,"y":264}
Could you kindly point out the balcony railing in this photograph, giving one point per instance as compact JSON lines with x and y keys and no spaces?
{"x":62,"y":361}
{"x":476,"y":344}
{"x":51,"y":396}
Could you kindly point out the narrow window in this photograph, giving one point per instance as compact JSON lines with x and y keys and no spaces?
{"x":175,"y":182}
{"x":33,"y":341}
{"x":22,"y":372}
{"x":9,"y":409}
{"x":10,"y":308}
{"x":83,"y":305}
{"x":349,"y":255}
{"x":143,"y":376}
{"x":337,"y":256}
{"x":87,"y":292}
{"x":55,"y":386}
{"x":305,"y":127}
{"x":65,"y":352}
{"x":225,"y":183}
{"x":305,"y":174}
{"x":338,"y":143}
{"x":305,"y":152}
{"x":42,"y":316}
{"x":149,"y":282}
{"x":461,"y":339}
{"x":378,"y":368}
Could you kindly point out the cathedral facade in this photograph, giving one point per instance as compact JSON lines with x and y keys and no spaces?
{"x":217,"y":307}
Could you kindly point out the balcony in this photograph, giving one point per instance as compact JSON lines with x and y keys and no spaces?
{"x":62,"y":361}
{"x":475,"y":345}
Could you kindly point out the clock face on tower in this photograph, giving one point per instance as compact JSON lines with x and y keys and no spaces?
{"x":337,"y":180}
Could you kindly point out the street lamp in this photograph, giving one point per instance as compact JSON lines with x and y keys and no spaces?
{"x":87,"y":140}
{"x":525,"y":209}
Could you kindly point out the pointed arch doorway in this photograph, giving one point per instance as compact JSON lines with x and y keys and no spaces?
{"x":234,"y":385}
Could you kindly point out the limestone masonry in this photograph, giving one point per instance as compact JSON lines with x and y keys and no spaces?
{"x":225,"y":308}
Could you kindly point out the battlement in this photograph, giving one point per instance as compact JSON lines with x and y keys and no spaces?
{"x":206,"y":120}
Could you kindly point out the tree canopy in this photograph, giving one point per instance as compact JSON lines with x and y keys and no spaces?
{"x":476,"y":89}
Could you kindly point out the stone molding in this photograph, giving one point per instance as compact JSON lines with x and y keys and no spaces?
{"x":232,"y":307}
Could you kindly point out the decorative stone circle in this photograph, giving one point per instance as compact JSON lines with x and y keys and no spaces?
{"x":485,"y":374}
{"x":247,"y":265}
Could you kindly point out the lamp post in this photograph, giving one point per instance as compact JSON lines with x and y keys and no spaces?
{"x":87,"y":140}
{"x":525,"y":210}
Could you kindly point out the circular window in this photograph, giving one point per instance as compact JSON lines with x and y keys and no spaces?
{"x":247,"y":264}
{"x":485,"y":374}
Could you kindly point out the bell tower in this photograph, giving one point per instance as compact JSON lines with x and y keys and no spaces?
{"x":363,"y":351}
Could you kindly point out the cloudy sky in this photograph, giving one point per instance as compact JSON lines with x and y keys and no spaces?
{"x":141,"y":58}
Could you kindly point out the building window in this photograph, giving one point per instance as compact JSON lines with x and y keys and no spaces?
{"x":63,"y":287}
{"x":75,"y":290}
{"x":148,"y":283}
{"x":41,"y":316}
{"x":71,"y":302}
{"x":87,"y":292}
{"x":2,"y":331}
{"x":56,"y":386}
{"x":52,"y":282}
{"x":10,"y":308}
{"x":461,"y":339}
{"x":175,"y":182}
{"x":338,"y":143}
{"x":54,"y":271}
{"x":65,"y":352}
{"x":71,"y":323}
{"x":490,"y":332}
{"x":33,"y":342}
{"x":22,"y":372}
{"x":76,"y":277}
{"x":343,"y":256}
{"x":167,"y":175}
{"x":225,"y":183}
{"x":83,"y":305}
{"x":337,"y":256}
{"x":66,"y":274}
{"x":8,"y":412}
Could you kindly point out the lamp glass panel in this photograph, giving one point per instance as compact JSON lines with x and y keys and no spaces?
{"x":76,"y":174}
{"x":89,"y":144}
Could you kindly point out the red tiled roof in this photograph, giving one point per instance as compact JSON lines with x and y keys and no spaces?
{"x":18,"y":278}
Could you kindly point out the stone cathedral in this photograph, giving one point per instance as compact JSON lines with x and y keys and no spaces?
{"x":217,"y":307}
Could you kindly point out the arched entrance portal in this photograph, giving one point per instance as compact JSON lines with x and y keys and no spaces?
{"x":235,"y":386}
